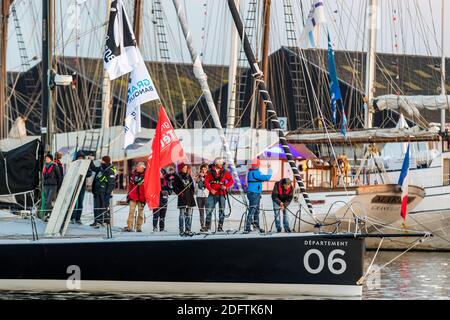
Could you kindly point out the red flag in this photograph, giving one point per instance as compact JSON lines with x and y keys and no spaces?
{"x":166,"y":149}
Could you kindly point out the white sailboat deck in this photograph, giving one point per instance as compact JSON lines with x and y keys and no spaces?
{"x":17,"y":227}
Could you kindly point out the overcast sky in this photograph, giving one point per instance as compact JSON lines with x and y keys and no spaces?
{"x":404,"y":27}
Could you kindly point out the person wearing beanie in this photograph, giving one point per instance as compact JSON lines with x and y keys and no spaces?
{"x":80,"y":155}
{"x":58,"y":156}
{"x":136,"y":198}
{"x":106,"y":159}
{"x":183,"y":186}
{"x":78,"y":211}
{"x":282,"y":195}
{"x":255,"y":178}
{"x":159,"y":214}
{"x":217,"y":181}
{"x":51,"y":183}
{"x":102,"y":188}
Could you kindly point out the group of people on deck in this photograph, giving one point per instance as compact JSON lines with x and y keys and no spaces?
{"x":207,"y":190}
{"x":103,"y":184}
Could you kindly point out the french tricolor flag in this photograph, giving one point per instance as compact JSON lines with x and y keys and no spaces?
{"x":403,"y":181}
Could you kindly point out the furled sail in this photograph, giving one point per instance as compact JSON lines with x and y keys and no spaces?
{"x":411,"y":105}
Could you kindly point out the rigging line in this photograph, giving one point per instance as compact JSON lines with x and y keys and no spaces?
{"x":303,"y":65}
{"x":438,"y":45}
{"x":347,"y":54}
{"x":361,"y":280}
{"x":386,"y":76}
{"x":160,"y":27}
{"x":414,"y":244}
{"x":174,"y":64}
{"x":264,"y":94}
{"x":426,"y":26}
{"x":249,"y":103}
{"x":329,"y":139}
{"x":63,"y":60}
{"x":192,"y":111}
{"x":203,"y":34}
{"x":422,"y":30}
{"x":202,"y":80}
{"x":429,"y":230}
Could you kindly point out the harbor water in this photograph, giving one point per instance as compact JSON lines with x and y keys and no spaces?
{"x":414,"y":275}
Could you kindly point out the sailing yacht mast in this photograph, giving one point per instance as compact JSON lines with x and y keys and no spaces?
{"x":201,"y":78}
{"x":46,"y":120}
{"x":231,"y":115}
{"x":4,"y":14}
{"x":370,"y":61}
{"x":442,"y":67}
{"x":257,"y":75}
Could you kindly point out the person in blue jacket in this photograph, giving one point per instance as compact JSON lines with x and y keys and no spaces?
{"x":255,"y":179}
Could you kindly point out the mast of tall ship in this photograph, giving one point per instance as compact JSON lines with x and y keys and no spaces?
{"x":4,"y":15}
{"x":46,"y":115}
{"x":231,"y":114}
{"x":370,"y":62}
{"x":265,"y":59}
{"x":443,"y":67}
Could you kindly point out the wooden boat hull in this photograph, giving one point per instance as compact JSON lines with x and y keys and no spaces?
{"x":380,"y":203}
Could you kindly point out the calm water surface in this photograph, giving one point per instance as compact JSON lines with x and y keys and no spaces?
{"x":415,"y":275}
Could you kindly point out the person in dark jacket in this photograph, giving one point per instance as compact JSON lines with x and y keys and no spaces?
{"x":51,"y":183}
{"x":183,"y":186}
{"x":159,"y":215}
{"x":77,"y":212}
{"x":282,"y":195}
{"x":136,"y":197}
{"x":218,"y":181}
{"x":58,"y":156}
{"x":102,"y":188}
{"x":255,"y":178}
{"x":201,"y":194}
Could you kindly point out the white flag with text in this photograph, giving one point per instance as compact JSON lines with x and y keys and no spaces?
{"x":310,"y":32}
{"x":141,"y":89}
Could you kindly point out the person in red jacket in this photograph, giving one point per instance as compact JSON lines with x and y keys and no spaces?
{"x":136,"y":196}
{"x":217,"y":181}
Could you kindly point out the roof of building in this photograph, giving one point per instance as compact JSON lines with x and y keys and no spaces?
{"x":405,"y":74}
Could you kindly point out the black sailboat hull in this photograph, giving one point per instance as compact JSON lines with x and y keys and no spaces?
{"x":250,"y":264}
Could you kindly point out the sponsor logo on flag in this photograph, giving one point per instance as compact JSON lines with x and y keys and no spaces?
{"x":141,"y":89}
{"x":121,"y":54}
{"x":166,"y":149}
